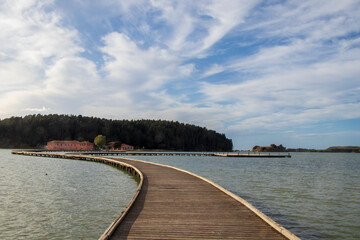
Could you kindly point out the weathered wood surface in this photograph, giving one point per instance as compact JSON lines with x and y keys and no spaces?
{"x":175,"y":205}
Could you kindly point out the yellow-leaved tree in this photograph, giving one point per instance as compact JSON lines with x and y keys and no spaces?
{"x":100,"y":141}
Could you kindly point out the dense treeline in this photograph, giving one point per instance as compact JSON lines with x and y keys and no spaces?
{"x":34,"y":131}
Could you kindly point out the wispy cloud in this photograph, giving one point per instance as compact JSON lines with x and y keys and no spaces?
{"x":304,"y":75}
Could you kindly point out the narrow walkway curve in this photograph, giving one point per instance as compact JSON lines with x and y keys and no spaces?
{"x":171,"y":203}
{"x":175,"y":204}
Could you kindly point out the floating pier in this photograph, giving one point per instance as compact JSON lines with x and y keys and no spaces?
{"x":171,"y":203}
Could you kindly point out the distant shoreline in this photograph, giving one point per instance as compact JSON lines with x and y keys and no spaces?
{"x":342,"y":149}
{"x":281,"y":148}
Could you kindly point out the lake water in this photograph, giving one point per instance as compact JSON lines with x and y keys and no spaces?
{"x":48,"y":198}
{"x":314,"y":195}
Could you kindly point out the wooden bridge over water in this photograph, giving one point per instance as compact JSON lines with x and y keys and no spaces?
{"x":171,"y":203}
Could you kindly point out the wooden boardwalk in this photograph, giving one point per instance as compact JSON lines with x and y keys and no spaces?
{"x":174,"y":204}
{"x":190,"y":154}
{"x":171,"y":203}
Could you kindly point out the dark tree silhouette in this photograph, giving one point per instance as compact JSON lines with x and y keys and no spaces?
{"x":34,"y":131}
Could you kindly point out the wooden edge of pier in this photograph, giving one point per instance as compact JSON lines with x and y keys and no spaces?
{"x":110,"y":230}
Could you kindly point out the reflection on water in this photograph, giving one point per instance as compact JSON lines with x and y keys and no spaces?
{"x":45,"y":198}
{"x":314,"y":195}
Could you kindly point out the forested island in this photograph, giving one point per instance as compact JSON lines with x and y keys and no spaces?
{"x":271,"y":148}
{"x":34,"y":131}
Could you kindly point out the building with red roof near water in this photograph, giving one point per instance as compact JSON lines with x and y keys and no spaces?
{"x":70,"y":145}
{"x":125,"y":147}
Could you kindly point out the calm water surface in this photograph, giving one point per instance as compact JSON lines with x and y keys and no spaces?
{"x":314,"y":195}
{"x":47,"y":198}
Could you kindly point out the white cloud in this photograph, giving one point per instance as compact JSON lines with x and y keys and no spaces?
{"x":284,"y":120}
{"x":312,"y":93}
{"x":214,"y":69}
{"x":328,"y":134}
{"x":32,"y":36}
{"x":192,"y":27}
{"x":307,"y":77}
{"x":323,"y":19}
{"x":138,"y":69}
{"x":71,"y":75}
{"x":38,"y":59}
{"x":226,"y":14}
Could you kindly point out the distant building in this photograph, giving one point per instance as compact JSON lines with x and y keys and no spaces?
{"x":125,"y":147}
{"x":69,"y":145}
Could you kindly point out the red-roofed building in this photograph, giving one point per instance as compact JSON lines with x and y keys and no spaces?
{"x":70,"y":145}
{"x":125,"y":147}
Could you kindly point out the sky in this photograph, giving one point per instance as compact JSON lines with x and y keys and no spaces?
{"x":262,"y":72}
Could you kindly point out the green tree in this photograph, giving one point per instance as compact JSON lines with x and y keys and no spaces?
{"x":100,"y":141}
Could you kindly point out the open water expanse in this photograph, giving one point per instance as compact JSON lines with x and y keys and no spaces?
{"x":49,"y":198}
{"x":314,"y":195}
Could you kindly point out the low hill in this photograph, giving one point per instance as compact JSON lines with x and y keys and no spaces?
{"x":271,"y":148}
{"x":34,"y":131}
{"x":344,"y":149}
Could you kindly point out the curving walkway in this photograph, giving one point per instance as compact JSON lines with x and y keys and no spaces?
{"x":171,"y":203}
{"x":174,"y":204}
